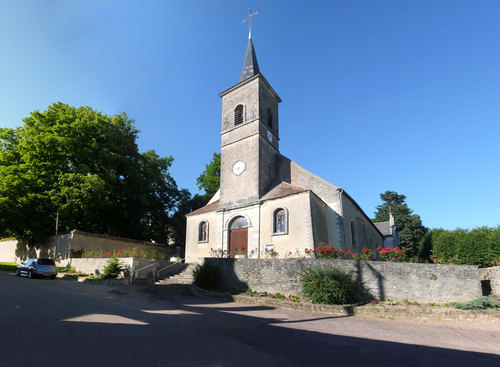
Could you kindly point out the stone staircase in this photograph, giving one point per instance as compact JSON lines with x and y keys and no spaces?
{"x":184,"y":277}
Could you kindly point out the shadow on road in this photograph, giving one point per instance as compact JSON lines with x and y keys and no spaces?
{"x":168,"y":326}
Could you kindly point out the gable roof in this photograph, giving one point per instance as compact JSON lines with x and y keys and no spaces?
{"x":384,"y":228}
{"x":282,"y":190}
{"x":207,"y":208}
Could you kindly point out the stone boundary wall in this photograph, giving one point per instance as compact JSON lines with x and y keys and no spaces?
{"x":84,"y":241}
{"x":97,"y":265}
{"x":415,"y":282}
{"x":8,"y":251}
{"x":59,"y":247}
{"x":493,"y":275}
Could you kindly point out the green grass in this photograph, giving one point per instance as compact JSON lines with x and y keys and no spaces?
{"x":8,"y":266}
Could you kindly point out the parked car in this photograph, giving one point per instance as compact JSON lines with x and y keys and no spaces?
{"x":37,"y":268}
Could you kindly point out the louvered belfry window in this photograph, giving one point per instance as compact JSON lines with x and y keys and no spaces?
{"x":238,"y":115}
{"x":269,"y":118}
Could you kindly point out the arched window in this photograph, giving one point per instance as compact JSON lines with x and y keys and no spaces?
{"x":280,"y":221}
{"x":239,"y":222}
{"x":353,"y":235}
{"x":270,"y":118}
{"x":238,"y":115}
{"x":203,"y":232}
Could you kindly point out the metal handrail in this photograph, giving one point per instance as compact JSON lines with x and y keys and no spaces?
{"x":138,"y":270}
{"x":166,"y":267}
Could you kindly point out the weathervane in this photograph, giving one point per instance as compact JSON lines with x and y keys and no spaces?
{"x":250,"y":15}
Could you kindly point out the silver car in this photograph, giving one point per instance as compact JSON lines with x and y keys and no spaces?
{"x":37,"y":268}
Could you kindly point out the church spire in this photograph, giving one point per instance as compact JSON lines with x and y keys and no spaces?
{"x":250,"y":65}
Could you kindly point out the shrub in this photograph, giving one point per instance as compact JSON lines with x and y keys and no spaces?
{"x":206,"y":276}
{"x":478,"y":246}
{"x":328,"y":286}
{"x":113,"y":269}
{"x":481,"y":303}
{"x":392,"y":253}
{"x":271,"y":253}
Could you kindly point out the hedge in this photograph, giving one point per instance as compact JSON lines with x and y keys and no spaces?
{"x":478,"y":246}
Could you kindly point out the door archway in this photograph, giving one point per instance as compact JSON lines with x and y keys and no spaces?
{"x":238,"y":237}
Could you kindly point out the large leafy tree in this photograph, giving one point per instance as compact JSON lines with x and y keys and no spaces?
{"x":85,"y":165}
{"x":409,"y":225}
{"x":209,"y":180}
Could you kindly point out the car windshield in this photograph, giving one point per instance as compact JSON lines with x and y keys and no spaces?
{"x":45,"y":262}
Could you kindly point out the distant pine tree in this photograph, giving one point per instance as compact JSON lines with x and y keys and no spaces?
{"x":409,"y":226}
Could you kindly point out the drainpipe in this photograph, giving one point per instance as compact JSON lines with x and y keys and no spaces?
{"x":260,"y":225}
{"x":342,"y":229}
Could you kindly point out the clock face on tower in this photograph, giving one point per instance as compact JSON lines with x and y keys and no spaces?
{"x":239,"y":167}
{"x":269,"y":136}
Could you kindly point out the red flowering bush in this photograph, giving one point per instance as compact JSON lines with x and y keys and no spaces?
{"x":239,"y":251}
{"x":392,"y":253}
{"x":271,"y":253}
{"x":366,"y":254}
{"x":329,"y":252}
{"x":437,"y":259}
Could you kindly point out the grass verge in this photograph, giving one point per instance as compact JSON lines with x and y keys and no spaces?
{"x":8,"y":266}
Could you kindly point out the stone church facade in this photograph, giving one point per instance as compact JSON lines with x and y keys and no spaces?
{"x":267,"y":202}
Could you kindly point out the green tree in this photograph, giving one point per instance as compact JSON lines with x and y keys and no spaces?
{"x":409,"y":225}
{"x":209,"y":180}
{"x":86,"y":166}
{"x":186,"y":204}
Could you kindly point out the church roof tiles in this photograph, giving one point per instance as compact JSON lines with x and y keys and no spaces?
{"x":384,"y":228}
{"x":282,"y":190}
{"x":207,"y":208}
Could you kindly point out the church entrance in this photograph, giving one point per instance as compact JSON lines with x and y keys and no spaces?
{"x":238,"y":237}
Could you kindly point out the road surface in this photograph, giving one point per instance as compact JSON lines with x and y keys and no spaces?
{"x":63,"y":323}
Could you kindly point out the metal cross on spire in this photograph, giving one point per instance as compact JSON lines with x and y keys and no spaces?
{"x":250,"y":15}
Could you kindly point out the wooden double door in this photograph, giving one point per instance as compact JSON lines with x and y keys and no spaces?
{"x":238,"y":237}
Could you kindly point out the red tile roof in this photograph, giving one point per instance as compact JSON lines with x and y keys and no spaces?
{"x":207,"y":208}
{"x":282,"y":190}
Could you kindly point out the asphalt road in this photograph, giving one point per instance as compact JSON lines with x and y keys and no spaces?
{"x":63,"y":323}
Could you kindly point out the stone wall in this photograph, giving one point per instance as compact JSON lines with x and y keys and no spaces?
{"x":83,"y":241}
{"x":493,"y":275}
{"x":97,"y":265}
{"x":8,"y":251}
{"x":60,"y":247}
{"x":415,"y":282}
{"x":16,"y":251}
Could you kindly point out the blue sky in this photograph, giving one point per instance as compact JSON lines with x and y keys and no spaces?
{"x":377,"y":95}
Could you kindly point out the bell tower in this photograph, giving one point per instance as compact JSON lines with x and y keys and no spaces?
{"x":249,"y":135}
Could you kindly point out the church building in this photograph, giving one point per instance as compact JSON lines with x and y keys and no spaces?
{"x":267,"y":203}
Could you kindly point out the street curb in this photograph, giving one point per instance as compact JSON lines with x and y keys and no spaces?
{"x":395,"y":312}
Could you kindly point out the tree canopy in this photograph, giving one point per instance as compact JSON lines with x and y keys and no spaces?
{"x":209,"y":180}
{"x":409,"y":225}
{"x":85,"y":165}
